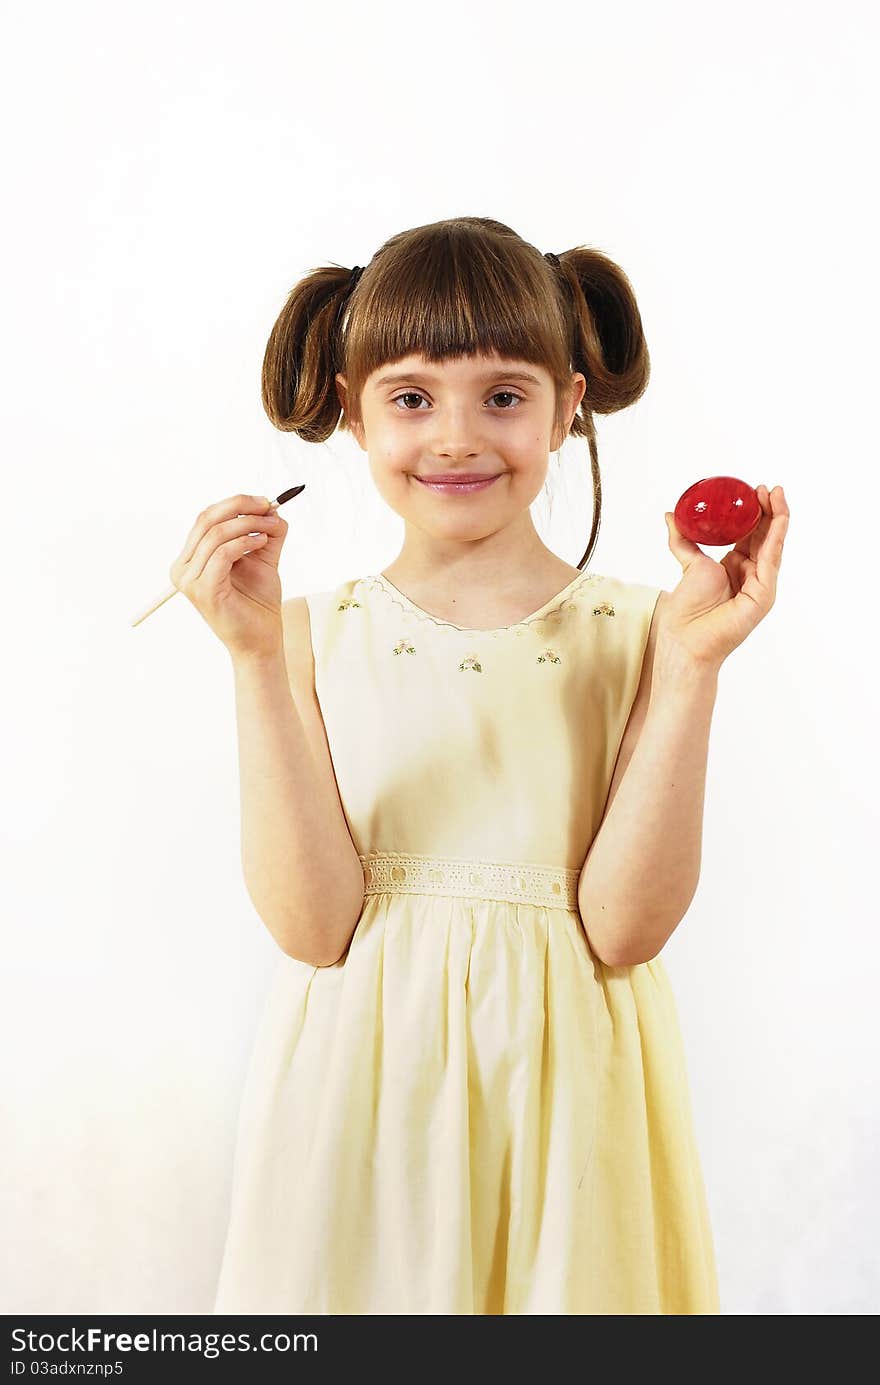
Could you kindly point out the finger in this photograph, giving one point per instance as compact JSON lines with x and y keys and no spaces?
{"x":683,"y":549}
{"x":748,"y":544}
{"x":277,"y":532}
{"x":769,"y":557}
{"x":230,"y":508}
{"x":226,"y":555}
{"x":223,"y":532}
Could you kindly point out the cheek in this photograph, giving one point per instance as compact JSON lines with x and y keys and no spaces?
{"x":392,"y":468}
{"x":394,"y":459}
{"x":389,"y":475}
{"x":387,"y":447}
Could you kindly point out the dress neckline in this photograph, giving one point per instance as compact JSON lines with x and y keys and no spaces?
{"x":402,"y":599}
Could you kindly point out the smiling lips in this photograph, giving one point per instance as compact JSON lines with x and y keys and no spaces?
{"x":451,"y":484}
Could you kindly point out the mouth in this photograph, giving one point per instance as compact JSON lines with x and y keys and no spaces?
{"x":462,"y":485}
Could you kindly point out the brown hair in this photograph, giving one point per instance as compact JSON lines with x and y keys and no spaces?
{"x":464,"y":286}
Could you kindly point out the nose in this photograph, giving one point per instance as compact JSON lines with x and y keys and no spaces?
{"x":457,"y":433}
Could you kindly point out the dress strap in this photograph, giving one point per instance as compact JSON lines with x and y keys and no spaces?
{"x":554,"y":887}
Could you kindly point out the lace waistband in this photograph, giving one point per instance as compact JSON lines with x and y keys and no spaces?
{"x":403,"y":873}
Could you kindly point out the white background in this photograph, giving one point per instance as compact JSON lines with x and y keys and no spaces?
{"x":170,"y":172}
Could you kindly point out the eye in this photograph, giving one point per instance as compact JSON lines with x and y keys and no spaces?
{"x":499,"y":394}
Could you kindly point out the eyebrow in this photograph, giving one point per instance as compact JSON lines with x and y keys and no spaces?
{"x":422,"y":378}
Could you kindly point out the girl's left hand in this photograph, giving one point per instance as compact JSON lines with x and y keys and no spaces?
{"x":717,"y":604}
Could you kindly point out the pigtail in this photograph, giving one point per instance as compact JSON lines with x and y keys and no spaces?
{"x":301,"y":357}
{"x":608,"y":348}
{"x":608,"y":342}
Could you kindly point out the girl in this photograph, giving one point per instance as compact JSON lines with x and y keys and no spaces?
{"x":472,"y":791}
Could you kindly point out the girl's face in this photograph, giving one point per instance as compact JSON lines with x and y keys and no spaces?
{"x":474,"y":416}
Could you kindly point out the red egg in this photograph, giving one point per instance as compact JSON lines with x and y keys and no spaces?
{"x":718,"y":510}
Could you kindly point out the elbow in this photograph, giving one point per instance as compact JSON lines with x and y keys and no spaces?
{"x":628,"y":942}
{"x":629,"y":946}
{"x":316,"y":963}
{"x":309,"y":957}
{"x":627,"y":956}
{"x":319,"y":944}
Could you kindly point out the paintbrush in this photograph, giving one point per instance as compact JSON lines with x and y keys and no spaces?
{"x":166,"y":596}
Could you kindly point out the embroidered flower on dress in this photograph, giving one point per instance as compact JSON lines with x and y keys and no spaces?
{"x":542,"y":623}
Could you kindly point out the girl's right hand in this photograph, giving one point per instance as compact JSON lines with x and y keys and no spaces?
{"x":230,"y":574}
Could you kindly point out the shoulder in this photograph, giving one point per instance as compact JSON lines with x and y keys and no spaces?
{"x":634,"y":592}
{"x":653,"y":601}
{"x":658,"y":603}
{"x":654,"y":604}
{"x":313,"y":607}
{"x":298,"y":654}
{"x":306,"y":620}
{"x":301,"y":622}
{"x":648,"y":604}
{"x":639,"y":610}
{"x":633,"y":599}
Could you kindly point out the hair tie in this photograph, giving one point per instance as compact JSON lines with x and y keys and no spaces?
{"x":554,"y":259}
{"x":354,"y":276}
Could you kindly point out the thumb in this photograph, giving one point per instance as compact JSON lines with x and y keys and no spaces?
{"x":683,"y":549}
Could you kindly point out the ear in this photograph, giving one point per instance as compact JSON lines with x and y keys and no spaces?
{"x":578,"y":390}
{"x":576,"y":394}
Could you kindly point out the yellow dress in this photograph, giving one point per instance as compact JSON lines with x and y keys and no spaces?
{"x":470,"y":1113}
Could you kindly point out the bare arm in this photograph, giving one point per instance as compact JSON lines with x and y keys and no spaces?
{"x":643,"y":866}
{"x":301,"y":868}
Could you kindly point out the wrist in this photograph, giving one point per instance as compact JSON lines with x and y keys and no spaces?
{"x":676,"y":669}
{"x":251,"y":661}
